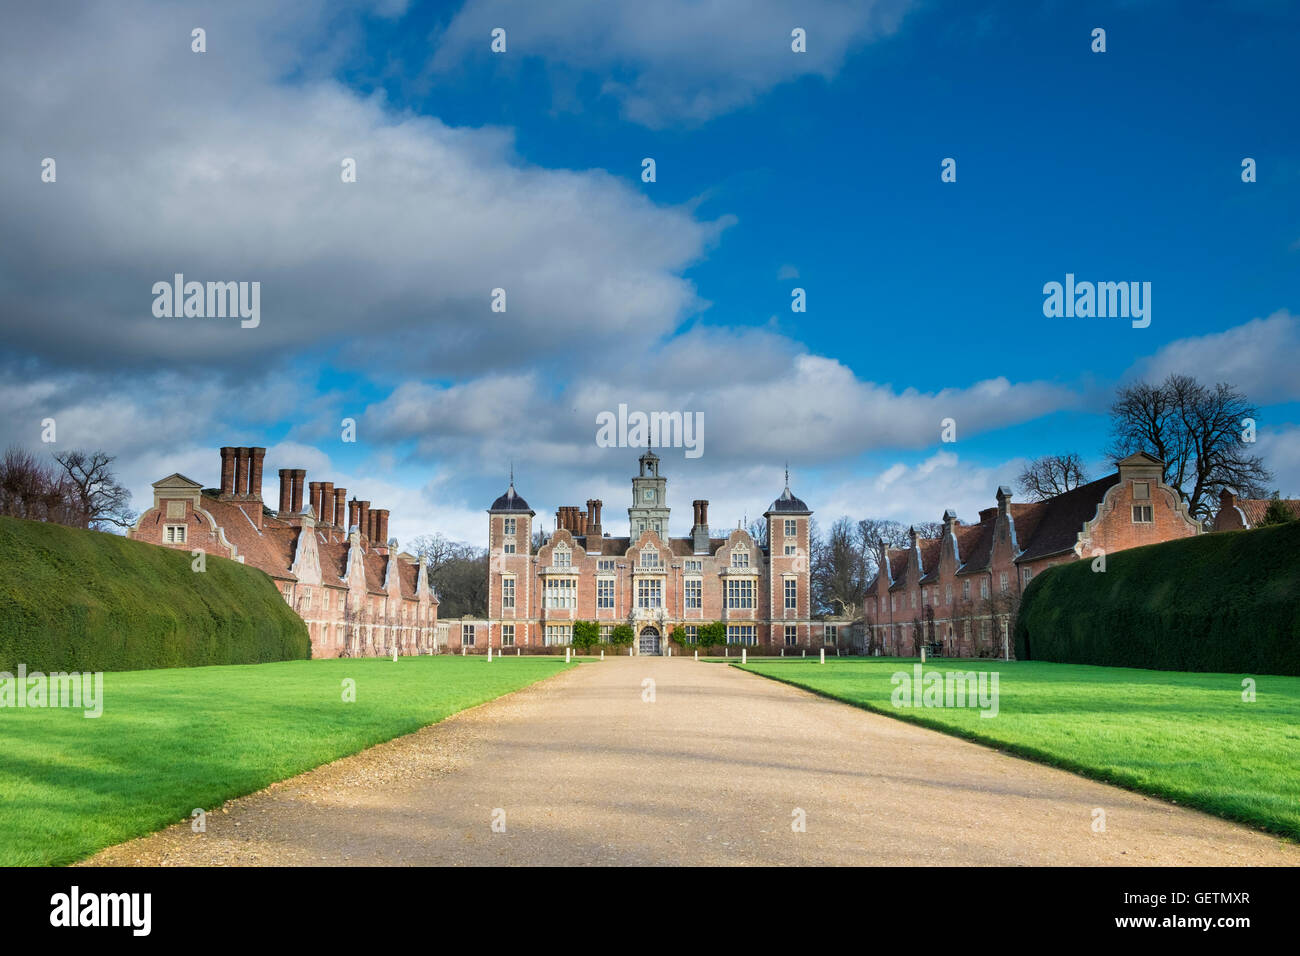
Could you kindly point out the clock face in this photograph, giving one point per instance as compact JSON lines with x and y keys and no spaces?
{"x":649,"y":495}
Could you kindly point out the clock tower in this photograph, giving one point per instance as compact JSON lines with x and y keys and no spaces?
{"x":649,"y":511}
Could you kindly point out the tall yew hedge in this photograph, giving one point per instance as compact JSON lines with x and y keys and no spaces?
{"x":73,"y":600}
{"x":1226,"y":602}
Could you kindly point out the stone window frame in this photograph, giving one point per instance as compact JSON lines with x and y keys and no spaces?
{"x":693,"y":591}
{"x":1144,"y":514}
{"x":507,"y":635}
{"x":605,"y":583}
{"x":508,"y":588}
{"x":170,"y":531}
{"x":741,"y":594}
{"x":791,"y":594}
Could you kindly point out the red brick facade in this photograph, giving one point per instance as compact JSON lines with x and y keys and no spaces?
{"x":650,"y":580}
{"x":960,"y":590}
{"x":357,"y":596}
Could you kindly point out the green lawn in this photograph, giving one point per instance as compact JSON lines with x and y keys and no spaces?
{"x":173,"y":740}
{"x":1186,"y":737}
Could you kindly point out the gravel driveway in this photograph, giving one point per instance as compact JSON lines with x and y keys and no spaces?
{"x":720,"y":768}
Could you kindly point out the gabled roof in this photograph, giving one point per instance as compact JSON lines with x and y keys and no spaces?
{"x":1254,"y":508}
{"x":1052,"y":526}
{"x":177,"y":480}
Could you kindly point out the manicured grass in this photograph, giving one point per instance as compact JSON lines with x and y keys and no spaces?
{"x":173,"y":740}
{"x":1186,"y":737}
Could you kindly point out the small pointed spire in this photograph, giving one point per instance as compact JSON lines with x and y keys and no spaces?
{"x":787,"y":476}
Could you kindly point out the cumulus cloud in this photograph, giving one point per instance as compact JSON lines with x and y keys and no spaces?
{"x":210,"y":166}
{"x":676,"y":60}
{"x":1259,"y":357}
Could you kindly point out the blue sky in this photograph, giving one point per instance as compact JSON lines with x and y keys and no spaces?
{"x":774,"y":170}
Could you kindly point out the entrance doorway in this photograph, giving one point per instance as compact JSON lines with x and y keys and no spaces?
{"x":649,"y":643}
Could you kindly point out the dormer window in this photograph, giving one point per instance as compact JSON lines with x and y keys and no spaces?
{"x":562,"y":558}
{"x":649,"y":559}
{"x":740,"y":559}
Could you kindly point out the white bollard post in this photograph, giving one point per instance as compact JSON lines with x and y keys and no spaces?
{"x":567,"y":651}
{"x":516,"y":652}
{"x":744,"y":655}
{"x":602,"y":653}
{"x":394,"y":655}
{"x":697,"y":657}
{"x":462,"y":650}
{"x":922,"y":653}
{"x":804,"y":652}
{"x":823,"y":660}
{"x":489,"y":653}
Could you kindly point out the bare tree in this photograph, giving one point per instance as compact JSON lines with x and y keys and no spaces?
{"x":758,"y":531}
{"x":1197,"y":430}
{"x":1051,"y":475}
{"x":838,"y":570}
{"x":102,"y":499}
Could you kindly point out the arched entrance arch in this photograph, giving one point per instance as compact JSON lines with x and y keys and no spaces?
{"x":650,"y":640}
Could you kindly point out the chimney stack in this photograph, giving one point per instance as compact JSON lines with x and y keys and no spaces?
{"x":593,"y":517}
{"x":381,"y":527}
{"x":354,"y":512}
{"x":241,"y":472}
{"x":700,"y":530}
{"x":313,"y":496}
{"x":227,"y":471}
{"x":326,"y":516}
{"x":363,"y":518}
{"x":370,"y":525}
{"x":255,"y":473}
{"x":340,"y":508}
{"x":297,"y":476}
{"x":286,"y":490}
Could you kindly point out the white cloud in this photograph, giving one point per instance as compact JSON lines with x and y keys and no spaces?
{"x":1259,"y":357}
{"x":674,"y":60}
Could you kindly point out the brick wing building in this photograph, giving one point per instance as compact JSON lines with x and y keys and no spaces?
{"x":650,"y":580}
{"x":960,"y":590}
{"x":330,"y":557}
{"x":1240,"y":514}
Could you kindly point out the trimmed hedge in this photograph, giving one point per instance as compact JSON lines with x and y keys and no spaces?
{"x":1227,"y":602}
{"x":74,"y":600}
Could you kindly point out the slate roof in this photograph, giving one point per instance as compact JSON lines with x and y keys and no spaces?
{"x":510,"y":502}
{"x":1045,"y":528}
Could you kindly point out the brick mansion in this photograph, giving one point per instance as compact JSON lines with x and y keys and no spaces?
{"x":330,"y":557}
{"x":650,"y":580}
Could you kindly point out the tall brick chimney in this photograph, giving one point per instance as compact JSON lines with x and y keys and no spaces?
{"x":363,"y":518}
{"x":582,"y":522}
{"x":340,"y":508}
{"x":313,"y":497}
{"x":354,"y":512}
{"x":255,"y":473}
{"x":286,"y":490}
{"x":241,"y":472}
{"x":227,"y":471}
{"x":381,"y":527}
{"x":593,"y":517}
{"x":298,"y":476}
{"x":370,"y":525}
{"x":700,"y":529}
{"x":327,"y":503}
